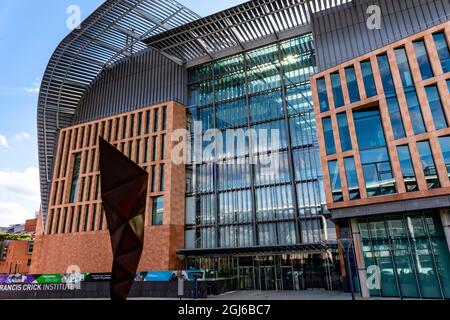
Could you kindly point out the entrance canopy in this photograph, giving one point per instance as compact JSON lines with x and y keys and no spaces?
{"x":307,"y":247}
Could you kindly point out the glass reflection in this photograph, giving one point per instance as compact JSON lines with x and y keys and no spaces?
{"x":374,"y":155}
{"x":242,"y":90}
{"x":410,"y":251}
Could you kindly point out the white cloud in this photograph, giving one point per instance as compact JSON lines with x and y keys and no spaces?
{"x":19,"y":195}
{"x":12,"y":213}
{"x":19,"y":137}
{"x":34,"y":88}
{"x":23,"y":184}
{"x":3,"y":142}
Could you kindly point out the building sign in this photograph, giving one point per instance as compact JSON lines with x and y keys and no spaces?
{"x":97,"y":277}
{"x":22,"y":282}
{"x":35,"y":287}
{"x":158,"y":276}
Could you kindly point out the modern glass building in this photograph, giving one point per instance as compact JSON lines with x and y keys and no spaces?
{"x":268,"y":211}
{"x":387,"y":178}
{"x":233,"y":204}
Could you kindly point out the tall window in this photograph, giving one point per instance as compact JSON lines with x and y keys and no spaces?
{"x":423,"y":60}
{"x":352,"y":85}
{"x":386,"y":76}
{"x":442,"y":49}
{"x":161,"y":177}
{"x":323,"y":96}
{"x":148,"y":121}
{"x":403,"y":67}
{"x":155,"y":120}
{"x":139,"y":130}
{"x":396,"y":117}
{"x":154,"y":179}
{"x":436,"y":107}
{"x":445,"y":147}
{"x":337,"y":90}
{"x":335,"y":181}
{"x":158,"y":210}
{"x":124,"y":128}
{"x":369,"y":82}
{"x":346,"y":143}
{"x":328,"y":135}
{"x":132,"y":125}
{"x":352,"y":178}
{"x":374,"y":155}
{"x":414,"y":111}
{"x":164,"y":118}
{"x":154,"y":147}
{"x":75,"y":178}
{"x":429,"y":168}
{"x":163,"y":147}
{"x":409,"y":176}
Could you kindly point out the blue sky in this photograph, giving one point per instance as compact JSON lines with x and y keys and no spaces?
{"x":30,"y":30}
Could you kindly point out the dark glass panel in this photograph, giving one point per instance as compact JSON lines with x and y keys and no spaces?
{"x":440,"y":41}
{"x":440,"y":122}
{"x":369,"y":118}
{"x":337,"y":90}
{"x":323,"y":96}
{"x":335,"y":180}
{"x":409,"y":176}
{"x":352,"y":178}
{"x":403,"y":67}
{"x":344,"y":134}
{"x":386,"y":76}
{"x":369,"y":82}
{"x":352,"y":84}
{"x":414,"y":111}
{"x":328,"y":135}
{"x":396,"y":118}
{"x":423,"y":60}
{"x":374,"y":156}
{"x":429,"y":168}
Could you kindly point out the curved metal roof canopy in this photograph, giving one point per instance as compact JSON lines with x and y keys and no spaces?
{"x":240,"y":28}
{"x":113,"y":32}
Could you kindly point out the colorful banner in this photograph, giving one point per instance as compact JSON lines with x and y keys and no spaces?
{"x":96,"y":277}
{"x":17,"y":278}
{"x":49,"y":278}
{"x":159,"y":276}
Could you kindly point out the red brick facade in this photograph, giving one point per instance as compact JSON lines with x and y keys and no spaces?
{"x":76,"y":230}
{"x":18,"y":257}
{"x":19,"y":252}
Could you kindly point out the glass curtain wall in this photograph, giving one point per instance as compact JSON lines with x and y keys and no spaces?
{"x":238,"y":201}
{"x":411,"y":253}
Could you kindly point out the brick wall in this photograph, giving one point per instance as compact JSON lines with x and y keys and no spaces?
{"x":75,"y":232}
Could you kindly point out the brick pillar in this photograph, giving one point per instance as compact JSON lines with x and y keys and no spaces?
{"x":359,"y":254}
{"x":445,"y":218}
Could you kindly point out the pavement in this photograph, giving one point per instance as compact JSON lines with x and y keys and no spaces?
{"x":245,"y":295}
{"x":310,"y":294}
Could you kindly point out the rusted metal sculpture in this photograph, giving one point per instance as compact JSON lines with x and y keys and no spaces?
{"x":124,"y":193}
